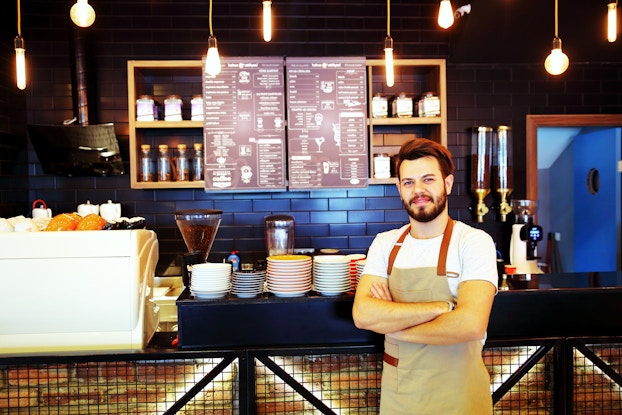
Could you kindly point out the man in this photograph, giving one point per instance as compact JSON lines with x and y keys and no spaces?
{"x":429,"y":288}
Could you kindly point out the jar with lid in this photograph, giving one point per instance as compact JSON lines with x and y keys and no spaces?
{"x":196,"y":108}
{"x":402,"y":106}
{"x":429,"y":105}
{"x":145,"y":108}
{"x":146,"y":164}
{"x":382,"y":166}
{"x":183,"y":167}
{"x":165,"y":173}
{"x":172,"y":108}
{"x":198,"y":161}
{"x":380,"y":106}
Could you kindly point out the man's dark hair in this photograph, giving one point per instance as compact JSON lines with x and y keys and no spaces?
{"x":423,"y":147}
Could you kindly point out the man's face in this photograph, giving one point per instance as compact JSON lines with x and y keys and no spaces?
{"x":422,"y":188}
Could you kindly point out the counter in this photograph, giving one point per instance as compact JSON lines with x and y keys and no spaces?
{"x":550,"y":305}
{"x":242,"y":352}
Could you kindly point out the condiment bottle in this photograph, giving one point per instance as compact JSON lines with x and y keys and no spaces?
{"x":146,"y":167}
{"x":183,"y":171}
{"x":164,"y":164}
{"x":198,"y":161}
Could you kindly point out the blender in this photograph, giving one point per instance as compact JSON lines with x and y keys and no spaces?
{"x":198,"y":227}
{"x":525,"y":237}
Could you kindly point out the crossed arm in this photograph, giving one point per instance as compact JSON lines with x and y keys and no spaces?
{"x":424,"y":322}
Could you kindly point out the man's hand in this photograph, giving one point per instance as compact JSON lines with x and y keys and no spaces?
{"x":381,"y":291}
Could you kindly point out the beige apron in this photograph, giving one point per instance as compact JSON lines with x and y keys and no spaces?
{"x":425,"y":379}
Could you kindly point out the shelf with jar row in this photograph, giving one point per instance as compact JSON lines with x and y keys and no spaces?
{"x":183,"y":78}
{"x":415,"y":79}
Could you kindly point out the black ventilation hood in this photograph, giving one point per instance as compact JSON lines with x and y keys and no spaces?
{"x":80,"y":149}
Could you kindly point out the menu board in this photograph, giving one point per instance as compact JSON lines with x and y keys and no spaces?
{"x":327,"y":122}
{"x":244,"y":125}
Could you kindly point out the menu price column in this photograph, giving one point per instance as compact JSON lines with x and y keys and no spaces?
{"x":244,"y":125}
{"x":327,"y":122}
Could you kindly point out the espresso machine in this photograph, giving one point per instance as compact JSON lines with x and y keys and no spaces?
{"x":198,"y":227}
{"x":525,"y":237}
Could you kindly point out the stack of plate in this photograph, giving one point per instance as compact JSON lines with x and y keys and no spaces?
{"x":353,"y":269}
{"x":360,"y":266}
{"x":289,"y":275}
{"x":331,"y":274}
{"x":248,"y":284}
{"x":210,"y":280}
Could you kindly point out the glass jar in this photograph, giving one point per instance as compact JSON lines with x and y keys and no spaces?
{"x":183,"y":167}
{"x":196,"y":108}
{"x":145,"y":108}
{"x":146,"y":164}
{"x":382,"y":166}
{"x":165,"y":173}
{"x":172,"y":108}
{"x":197,"y":162}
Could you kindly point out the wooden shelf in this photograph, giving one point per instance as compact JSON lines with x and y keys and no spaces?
{"x":160,"y":78}
{"x":413,"y":77}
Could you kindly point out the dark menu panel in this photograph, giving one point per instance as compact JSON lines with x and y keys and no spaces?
{"x":327,"y":122}
{"x":244,"y":125}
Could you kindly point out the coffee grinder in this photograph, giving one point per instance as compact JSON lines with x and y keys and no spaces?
{"x":502,"y":170}
{"x":525,"y":237}
{"x":480,"y":168}
{"x":198,"y":227}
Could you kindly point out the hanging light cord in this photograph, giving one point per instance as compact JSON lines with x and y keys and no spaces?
{"x":19,"y":19}
{"x":211,"y":31}
{"x":556,"y":19}
{"x":389,"y":18}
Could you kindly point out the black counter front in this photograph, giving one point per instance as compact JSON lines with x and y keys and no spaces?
{"x":559,"y":305}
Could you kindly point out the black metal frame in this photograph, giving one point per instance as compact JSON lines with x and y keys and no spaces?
{"x":562,"y":367}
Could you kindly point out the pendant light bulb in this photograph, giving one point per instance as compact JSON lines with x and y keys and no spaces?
{"x":612,"y":21}
{"x":20,"y":62}
{"x":557,"y":62}
{"x":388,"y":61}
{"x":267,"y":20}
{"x":212,"y":61}
{"x":445,"y":14}
{"x":82,"y":14}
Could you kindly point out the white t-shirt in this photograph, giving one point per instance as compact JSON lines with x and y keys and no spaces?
{"x":471,"y":255}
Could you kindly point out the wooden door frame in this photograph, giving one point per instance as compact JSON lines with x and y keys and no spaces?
{"x":556,"y":120}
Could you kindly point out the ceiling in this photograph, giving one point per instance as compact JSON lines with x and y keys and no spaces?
{"x":521,"y":31}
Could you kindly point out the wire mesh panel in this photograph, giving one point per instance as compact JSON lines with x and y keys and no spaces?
{"x":118,"y":387}
{"x":597,"y":370}
{"x":532,"y":393}
{"x":340,"y":383}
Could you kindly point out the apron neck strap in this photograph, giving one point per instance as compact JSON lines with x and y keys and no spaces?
{"x":442,"y":258}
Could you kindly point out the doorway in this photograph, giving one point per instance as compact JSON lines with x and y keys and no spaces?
{"x":589,"y":234}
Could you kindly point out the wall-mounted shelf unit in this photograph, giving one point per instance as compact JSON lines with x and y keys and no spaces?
{"x":413,"y":77}
{"x":184,"y":78}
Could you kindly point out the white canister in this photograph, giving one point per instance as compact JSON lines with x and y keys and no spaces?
{"x":145,"y":108}
{"x":87,"y":208}
{"x":196,"y":108}
{"x":382,"y":166}
{"x":110,"y":211}
{"x":172,"y":108}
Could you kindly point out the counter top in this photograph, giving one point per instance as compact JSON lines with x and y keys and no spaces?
{"x":578,"y":280}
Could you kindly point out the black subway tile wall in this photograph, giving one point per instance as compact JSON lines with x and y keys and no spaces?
{"x":482,"y":93}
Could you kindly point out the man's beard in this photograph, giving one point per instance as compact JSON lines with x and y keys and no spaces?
{"x":427,"y":214}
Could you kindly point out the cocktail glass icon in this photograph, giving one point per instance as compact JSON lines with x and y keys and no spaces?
{"x":319,"y":141}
